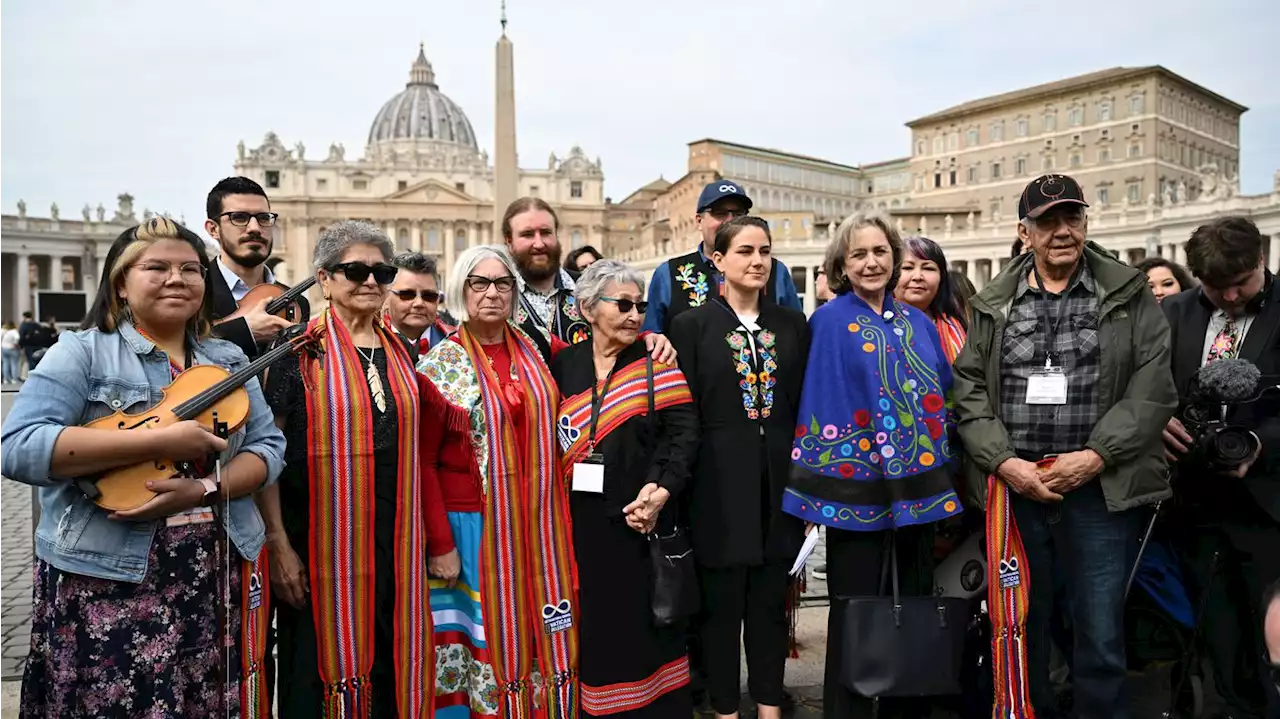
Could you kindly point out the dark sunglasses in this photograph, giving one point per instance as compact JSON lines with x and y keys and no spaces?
{"x":358,"y":272}
{"x":723,"y":214}
{"x":480,"y":283}
{"x":241,"y":219}
{"x":625,"y":305}
{"x":426,"y":295}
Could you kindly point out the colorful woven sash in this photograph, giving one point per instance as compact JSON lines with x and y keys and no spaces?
{"x":526,"y":557}
{"x":340,"y":464}
{"x":628,"y":397}
{"x":255,"y":598}
{"x":1008,"y":599}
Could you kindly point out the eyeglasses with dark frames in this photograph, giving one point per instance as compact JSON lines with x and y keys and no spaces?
{"x":625,"y":305}
{"x":358,"y":272}
{"x":426,"y":295}
{"x":480,"y":283}
{"x":724,"y":215}
{"x":241,"y":219}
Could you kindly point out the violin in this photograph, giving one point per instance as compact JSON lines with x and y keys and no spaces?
{"x":284,"y":300}
{"x":207,"y":394}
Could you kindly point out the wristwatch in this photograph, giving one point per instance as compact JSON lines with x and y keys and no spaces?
{"x":210,"y":491}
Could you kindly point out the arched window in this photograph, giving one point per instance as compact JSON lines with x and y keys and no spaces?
{"x":577,"y":240}
{"x":433,"y":240}
{"x":402,"y":239}
{"x":460,"y":240}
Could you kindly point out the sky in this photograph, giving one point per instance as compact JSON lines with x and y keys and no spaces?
{"x":151,"y":97}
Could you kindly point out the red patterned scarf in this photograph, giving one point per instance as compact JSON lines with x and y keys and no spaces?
{"x":952,"y":334}
{"x":1008,"y":597}
{"x":627,"y":397}
{"x":340,"y":466}
{"x":526,"y":556}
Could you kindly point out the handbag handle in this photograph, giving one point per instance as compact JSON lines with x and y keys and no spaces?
{"x":889,"y":569}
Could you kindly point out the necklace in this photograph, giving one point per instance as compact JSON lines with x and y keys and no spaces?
{"x":375,"y":380}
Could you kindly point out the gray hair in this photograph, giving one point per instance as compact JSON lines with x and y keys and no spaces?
{"x":466,"y":264}
{"x":594,"y":279}
{"x":838,"y":250}
{"x":418,"y":263}
{"x":337,"y":238}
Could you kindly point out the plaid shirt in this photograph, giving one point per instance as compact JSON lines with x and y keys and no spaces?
{"x":1040,"y":429}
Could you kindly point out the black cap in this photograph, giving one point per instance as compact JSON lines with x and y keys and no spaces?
{"x":716,"y":191}
{"x":1047,"y":191}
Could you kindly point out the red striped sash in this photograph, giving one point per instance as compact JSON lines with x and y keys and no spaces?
{"x":526,"y":556}
{"x":341,"y":472}
{"x":628,"y":397}
{"x":1008,"y":598}
{"x":255,"y":599}
{"x":618,"y":698}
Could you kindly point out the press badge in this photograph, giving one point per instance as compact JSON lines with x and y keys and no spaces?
{"x":1047,"y":386}
{"x":588,"y":475}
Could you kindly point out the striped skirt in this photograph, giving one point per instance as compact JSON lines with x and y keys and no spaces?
{"x":465,"y":686}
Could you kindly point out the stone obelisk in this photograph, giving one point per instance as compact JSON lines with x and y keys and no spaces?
{"x":505,"y":185}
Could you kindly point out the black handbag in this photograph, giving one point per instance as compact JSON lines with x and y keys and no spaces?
{"x":675,"y":596}
{"x":897,"y":646}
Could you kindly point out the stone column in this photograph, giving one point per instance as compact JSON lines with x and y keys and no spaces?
{"x":51,"y":273}
{"x":1180,"y":251}
{"x":22,"y":285}
{"x":971,"y":271}
{"x":415,"y":235}
{"x":450,"y":256}
{"x":1273,"y":254}
{"x":810,"y":290}
{"x":505,"y":169}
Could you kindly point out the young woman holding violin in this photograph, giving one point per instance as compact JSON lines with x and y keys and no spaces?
{"x":133,"y":607}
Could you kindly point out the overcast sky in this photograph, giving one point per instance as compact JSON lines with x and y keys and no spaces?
{"x":151,"y":96}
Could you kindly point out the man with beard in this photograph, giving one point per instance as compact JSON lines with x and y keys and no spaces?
{"x":241,"y":221}
{"x":546,"y":308}
{"x":697,"y":279}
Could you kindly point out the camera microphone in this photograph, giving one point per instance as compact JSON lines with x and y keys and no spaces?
{"x":1226,"y":381}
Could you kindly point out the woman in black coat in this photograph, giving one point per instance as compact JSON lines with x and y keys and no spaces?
{"x":744,"y":358}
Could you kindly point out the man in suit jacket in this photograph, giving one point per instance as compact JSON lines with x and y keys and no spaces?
{"x":241,"y":220}
{"x":1231,"y":542}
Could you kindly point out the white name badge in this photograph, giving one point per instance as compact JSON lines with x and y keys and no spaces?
{"x":588,"y":475}
{"x":1047,"y":386}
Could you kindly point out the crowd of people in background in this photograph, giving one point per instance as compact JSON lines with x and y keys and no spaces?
{"x":575,"y":493}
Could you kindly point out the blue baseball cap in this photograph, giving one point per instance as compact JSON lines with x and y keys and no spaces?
{"x":716,"y":191}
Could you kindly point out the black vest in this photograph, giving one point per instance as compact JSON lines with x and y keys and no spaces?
{"x":567,"y":321}
{"x":694,"y":280}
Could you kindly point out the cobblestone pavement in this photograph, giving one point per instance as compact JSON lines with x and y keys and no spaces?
{"x":15,"y":578}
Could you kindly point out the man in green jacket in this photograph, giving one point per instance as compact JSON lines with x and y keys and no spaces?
{"x":1068,"y":361}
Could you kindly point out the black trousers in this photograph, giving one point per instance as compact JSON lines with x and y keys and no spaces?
{"x":1228,"y":566}
{"x":853,"y":570}
{"x":744,"y":605}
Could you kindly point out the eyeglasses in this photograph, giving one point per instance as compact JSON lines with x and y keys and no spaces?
{"x":1049,"y":221}
{"x":241,"y":219}
{"x":625,"y":305}
{"x":159,"y":272}
{"x":480,"y":283}
{"x":358,"y":272}
{"x":426,"y":295}
{"x":722,"y":214}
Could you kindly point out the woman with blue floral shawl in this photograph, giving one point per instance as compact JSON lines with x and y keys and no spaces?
{"x":872,"y":438}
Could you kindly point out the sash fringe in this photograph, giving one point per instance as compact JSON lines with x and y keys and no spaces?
{"x":794,"y":590}
{"x":348,"y":699}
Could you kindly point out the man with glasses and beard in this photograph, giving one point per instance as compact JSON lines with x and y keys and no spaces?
{"x":241,"y":221}
{"x":546,"y":308}
{"x":695,"y":278}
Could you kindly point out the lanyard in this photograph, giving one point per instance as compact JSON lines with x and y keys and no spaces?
{"x":597,"y":403}
{"x":1063,"y":296}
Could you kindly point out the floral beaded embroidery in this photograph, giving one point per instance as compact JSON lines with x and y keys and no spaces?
{"x":695,"y":285}
{"x":757,"y":389}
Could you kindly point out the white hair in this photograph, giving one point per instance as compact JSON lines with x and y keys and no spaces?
{"x":594,"y":279}
{"x":455,"y":285}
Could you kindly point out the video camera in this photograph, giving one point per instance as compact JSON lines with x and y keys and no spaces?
{"x":1216,"y":389}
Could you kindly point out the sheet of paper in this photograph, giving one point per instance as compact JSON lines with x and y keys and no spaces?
{"x":810,"y":543}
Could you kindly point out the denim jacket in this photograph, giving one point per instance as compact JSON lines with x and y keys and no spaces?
{"x":90,"y":374}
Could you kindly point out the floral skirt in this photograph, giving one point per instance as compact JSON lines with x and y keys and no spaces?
{"x":103,"y":648}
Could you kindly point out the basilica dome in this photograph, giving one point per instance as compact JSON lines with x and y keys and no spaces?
{"x":421,"y":113}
